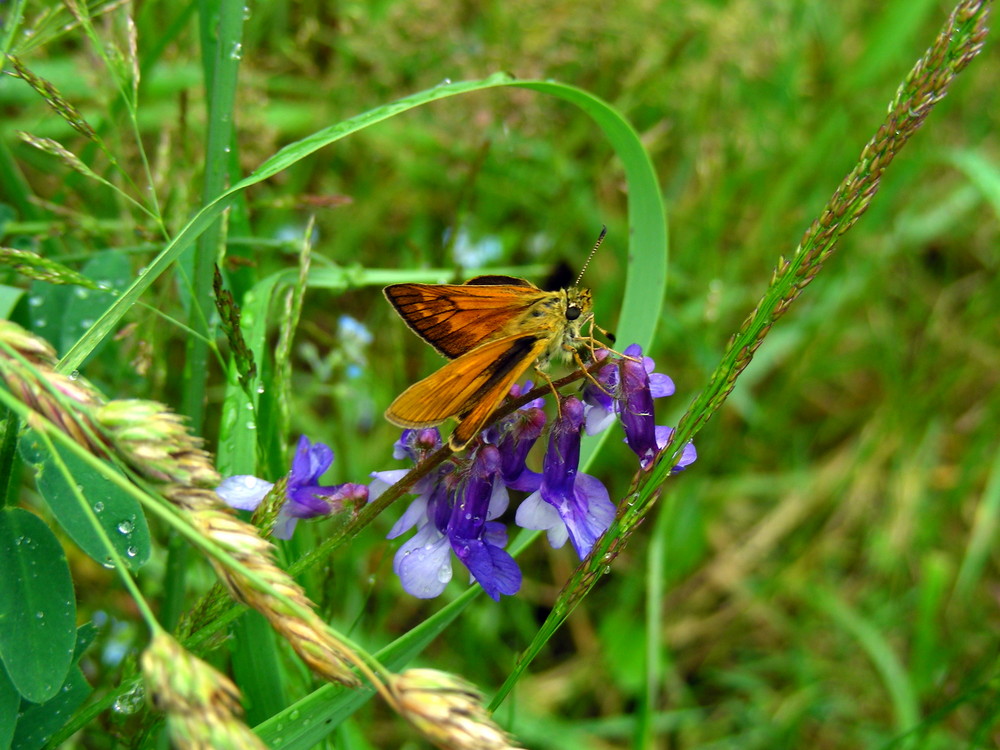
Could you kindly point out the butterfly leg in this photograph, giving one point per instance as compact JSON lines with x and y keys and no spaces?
{"x":586,"y":370}
{"x":552,"y":385}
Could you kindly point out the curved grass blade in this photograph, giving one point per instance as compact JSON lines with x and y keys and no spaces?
{"x":647,"y":223}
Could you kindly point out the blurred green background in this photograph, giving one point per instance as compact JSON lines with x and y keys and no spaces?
{"x":826,"y":573}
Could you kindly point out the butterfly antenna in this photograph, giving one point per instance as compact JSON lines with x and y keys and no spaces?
{"x":604,"y":231}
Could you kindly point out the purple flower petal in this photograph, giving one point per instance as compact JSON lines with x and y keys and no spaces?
{"x":415,"y":514}
{"x":491,"y":566}
{"x":535,"y":513}
{"x":688,"y":456}
{"x":310,"y":463}
{"x":423,"y":563}
{"x":305,"y":497}
{"x":599,"y":405}
{"x":243,"y":491}
{"x":309,"y":502}
{"x":284,"y":524}
{"x":597,"y":420}
{"x":661,"y":385}
{"x":499,"y":499}
{"x":589,"y":515}
{"x":383,"y":480}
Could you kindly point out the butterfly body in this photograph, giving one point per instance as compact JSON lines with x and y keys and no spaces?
{"x":492,"y":328}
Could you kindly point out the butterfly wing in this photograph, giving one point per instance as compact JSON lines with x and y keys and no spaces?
{"x":469,"y":387}
{"x":456,"y":318}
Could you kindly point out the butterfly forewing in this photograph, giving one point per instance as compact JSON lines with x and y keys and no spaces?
{"x":470,"y":387}
{"x":455,"y":319}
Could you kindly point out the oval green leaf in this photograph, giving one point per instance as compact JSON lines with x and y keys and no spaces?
{"x":10,"y":700}
{"x":37,"y":606}
{"x":39,"y":721}
{"x":119,"y":514}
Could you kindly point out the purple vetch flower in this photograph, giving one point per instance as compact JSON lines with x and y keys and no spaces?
{"x":603,"y":405}
{"x":414,"y":445}
{"x":476,"y":539}
{"x":514,"y":437}
{"x":423,"y":563}
{"x":634,"y":385}
{"x":568,"y":505}
{"x":635,"y":407}
{"x":306,"y":498}
{"x":454,"y":511}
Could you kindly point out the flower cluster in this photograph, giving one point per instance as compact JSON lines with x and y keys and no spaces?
{"x":458,"y":503}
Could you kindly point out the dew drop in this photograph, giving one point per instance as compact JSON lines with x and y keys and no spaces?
{"x":75,"y":375}
{"x":36,"y":300}
{"x":236,"y":54}
{"x":98,"y":507}
{"x":251,"y":425}
{"x":132,"y":550}
{"x":260,"y":388}
{"x":126,"y":527}
{"x":82,"y":292}
{"x":129,"y":701}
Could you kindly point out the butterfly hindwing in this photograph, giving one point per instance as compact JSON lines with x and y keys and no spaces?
{"x":470,"y":387}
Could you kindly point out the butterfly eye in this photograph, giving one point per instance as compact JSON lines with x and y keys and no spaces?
{"x":572,"y":312}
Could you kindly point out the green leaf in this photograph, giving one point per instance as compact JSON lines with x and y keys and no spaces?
{"x":9,"y":297}
{"x":10,"y":700}
{"x":46,"y":303}
{"x":38,"y":721}
{"x":307,"y":721}
{"x":110,"y":270}
{"x":118,"y":513}
{"x":37,"y":608}
{"x":61,"y":313}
